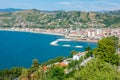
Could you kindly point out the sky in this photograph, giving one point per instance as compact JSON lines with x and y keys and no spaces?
{"x":68,"y":5}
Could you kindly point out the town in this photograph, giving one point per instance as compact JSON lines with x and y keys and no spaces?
{"x":89,"y":34}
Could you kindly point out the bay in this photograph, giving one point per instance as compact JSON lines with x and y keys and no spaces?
{"x":20,"y":48}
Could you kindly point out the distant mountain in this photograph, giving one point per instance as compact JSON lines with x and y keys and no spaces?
{"x":114,"y":12}
{"x":10,"y":10}
{"x":109,"y":12}
{"x":62,"y":19}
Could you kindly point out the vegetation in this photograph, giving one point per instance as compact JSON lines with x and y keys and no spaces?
{"x":97,"y":70}
{"x":56,"y":73}
{"x":73,"y":52}
{"x":52,"y":61}
{"x":106,"y":50}
{"x":59,"y":19}
{"x":89,"y":52}
{"x":9,"y":74}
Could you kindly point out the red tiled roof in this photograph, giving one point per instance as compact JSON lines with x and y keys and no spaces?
{"x":44,"y":68}
{"x":63,"y":64}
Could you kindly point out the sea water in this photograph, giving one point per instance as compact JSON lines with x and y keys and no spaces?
{"x":20,"y":48}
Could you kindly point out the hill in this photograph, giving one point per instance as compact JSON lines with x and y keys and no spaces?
{"x":59,"y":19}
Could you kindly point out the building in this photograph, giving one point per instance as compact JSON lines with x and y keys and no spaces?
{"x":77,"y":56}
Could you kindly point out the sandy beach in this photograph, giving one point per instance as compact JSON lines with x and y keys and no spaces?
{"x":31,"y":31}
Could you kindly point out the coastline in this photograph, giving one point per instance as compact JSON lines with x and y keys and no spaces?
{"x":32,"y":32}
{"x":45,"y":31}
{"x":82,"y":39}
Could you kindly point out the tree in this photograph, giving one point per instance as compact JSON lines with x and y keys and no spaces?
{"x":106,"y":51}
{"x":97,"y":70}
{"x":56,"y":73}
{"x":89,"y":52}
{"x":88,"y":49}
{"x":52,"y":61}
{"x":5,"y":74}
{"x":24,"y":74}
{"x":116,"y":41}
{"x":9,"y":74}
{"x":73,"y":52}
{"x":71,"y":78}
{"x":119,"y":47}
{"x":15,"y":72}
{"x":35,"y":65}
{"x":38,"y":74}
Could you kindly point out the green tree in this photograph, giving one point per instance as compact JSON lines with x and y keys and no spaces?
{"x":9,"y":74}
{"x":5,"y":74}
{"x":15,"y":72}
{"x":116,"y":41}
{"x":24,"y":74}
{"x":106,"y":51}
{"x":88,"y":49}
{"x":88,"y":52}
{"x":52,"y":61}
{"x":56,"y":73}
{"x":39,"y":74}
{"x":73,"y":52}
{"x":97,"y":70}
{"x":35,"y":65}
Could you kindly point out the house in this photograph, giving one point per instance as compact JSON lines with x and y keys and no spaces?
{"x":77,"y":56}
{"x":63,"y":64}
{"x":91,"y":33}
{"x":45,"y":68}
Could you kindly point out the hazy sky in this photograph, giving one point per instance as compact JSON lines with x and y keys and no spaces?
{"x":80,"y":5}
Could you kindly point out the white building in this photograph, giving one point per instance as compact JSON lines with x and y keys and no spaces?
{"x":77,"y":56}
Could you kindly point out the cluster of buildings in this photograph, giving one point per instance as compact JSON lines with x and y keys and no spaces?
{"x":90,"y":34}
{"x":66,"y":62}
{"x":93,"y":33}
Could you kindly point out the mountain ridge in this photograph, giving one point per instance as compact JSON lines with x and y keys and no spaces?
{"x":10,"y":10}
{"x":59,"y":19}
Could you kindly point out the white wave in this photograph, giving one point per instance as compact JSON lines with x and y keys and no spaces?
{"x":78,"y":46}
{"x":63,"y":40}
{"x":66,"y":45}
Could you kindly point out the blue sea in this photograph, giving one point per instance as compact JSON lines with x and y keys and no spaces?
{"x":18,"y":49}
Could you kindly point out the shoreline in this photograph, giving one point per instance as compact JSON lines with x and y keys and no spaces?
{"x":82,"y":40}
{"x":31,"y":30}
{"x":49,"y":33}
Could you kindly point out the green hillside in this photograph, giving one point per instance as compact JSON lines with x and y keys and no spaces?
{"x":59,"y":19}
